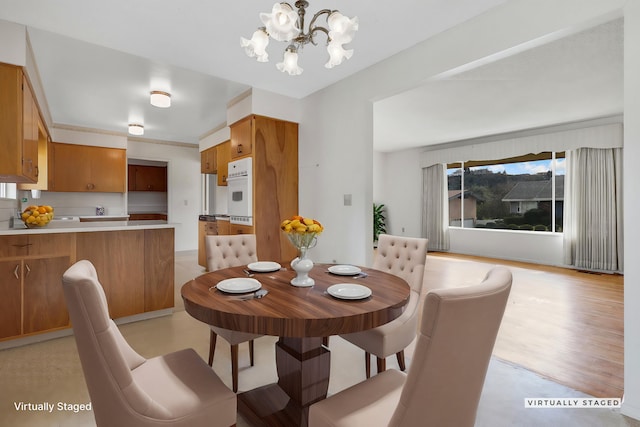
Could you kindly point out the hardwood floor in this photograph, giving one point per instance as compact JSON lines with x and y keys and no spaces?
{"x":563,"y":324}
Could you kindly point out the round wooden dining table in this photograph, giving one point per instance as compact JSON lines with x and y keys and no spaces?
{"x":300,"y":317}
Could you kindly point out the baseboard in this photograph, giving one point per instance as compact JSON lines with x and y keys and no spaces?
{"x":631,"y":411}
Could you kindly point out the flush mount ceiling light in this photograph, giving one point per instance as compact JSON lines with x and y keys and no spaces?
{"x":136,"y":129}
{"x":286,"y":24}
{"x":160,"y":99}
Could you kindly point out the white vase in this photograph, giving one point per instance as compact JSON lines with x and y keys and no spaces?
{"x":302,"y":266}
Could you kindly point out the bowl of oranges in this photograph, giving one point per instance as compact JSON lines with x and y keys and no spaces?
{"x":37,"y":216}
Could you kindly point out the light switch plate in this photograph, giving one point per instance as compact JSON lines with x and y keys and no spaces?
{"x":347,"y":199}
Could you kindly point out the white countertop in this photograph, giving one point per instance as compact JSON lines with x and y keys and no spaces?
{"x":83,"y":227}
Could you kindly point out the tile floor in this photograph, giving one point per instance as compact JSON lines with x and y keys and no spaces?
{"x":50,"y":372}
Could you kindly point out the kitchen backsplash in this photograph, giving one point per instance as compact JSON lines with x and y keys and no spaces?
{"x":78,"y":204}
{"x":147,"y":202}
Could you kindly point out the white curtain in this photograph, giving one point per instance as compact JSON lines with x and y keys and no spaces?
{"x":435,"y":207}
{"x":592,"y":226}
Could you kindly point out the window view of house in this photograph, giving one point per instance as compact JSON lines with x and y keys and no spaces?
{"x":521,"y":193}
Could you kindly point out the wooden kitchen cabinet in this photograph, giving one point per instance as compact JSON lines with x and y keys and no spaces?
{"x":18,"y":127}
{"x":135,"y":268}
{"x":242,"y":229}
{"x":223,"y":155}
{"x":223,"y":227}
{"x":31,"y":267}
{"x":159,"y":269}
{"x":273,"y":145}
{"x":11,"y":301}
{"x":44,"y":304}
{"x":118,"y":257}
{"x":147,"y":217}
{"x":43,"y":144}
{"x":83,"y":168}
{"x":206,"y":228}
{"x":147,"y":178}
{"x":242,"y":137}
{"x":209,"y":161}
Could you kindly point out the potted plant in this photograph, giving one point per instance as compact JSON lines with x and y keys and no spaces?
{"x":379,"y":222}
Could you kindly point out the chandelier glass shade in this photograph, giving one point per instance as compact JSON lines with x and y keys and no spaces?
{"x":284,"y":23}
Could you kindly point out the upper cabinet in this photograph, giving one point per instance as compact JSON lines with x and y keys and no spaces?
{"x":87,"y":168}
{"x":214,"y":160}
{"x":208,"y":161}
{"x":223,"y":155}
{"x":147,"y":178}
{"x":19,"y":120}
{"x":242,"y":138}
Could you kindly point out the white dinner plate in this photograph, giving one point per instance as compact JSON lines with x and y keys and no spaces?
{"x":349,"y":291}
{"x":238,"y":285}
{"x":264,"y":266}
{"x":344,"y":270}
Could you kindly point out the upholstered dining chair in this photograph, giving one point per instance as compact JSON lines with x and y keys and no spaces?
{"x":444,"y":382}
{"x":177,"y":389}
{"x":222,"y":252}
{"x":404,"y":257}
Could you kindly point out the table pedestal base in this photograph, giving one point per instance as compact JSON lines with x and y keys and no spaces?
{"x":303,"y":378}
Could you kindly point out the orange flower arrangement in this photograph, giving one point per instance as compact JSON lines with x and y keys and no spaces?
{"x":301,"y":231}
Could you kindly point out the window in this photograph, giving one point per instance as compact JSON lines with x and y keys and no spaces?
{"x":7,"y":190}
{"x":520,"y":193}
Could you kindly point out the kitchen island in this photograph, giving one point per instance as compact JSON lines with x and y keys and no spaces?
{"x":134,"y":261}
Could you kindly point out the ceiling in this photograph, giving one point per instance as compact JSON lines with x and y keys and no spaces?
{"x":98,"y":61}
{"x":572,"y":79}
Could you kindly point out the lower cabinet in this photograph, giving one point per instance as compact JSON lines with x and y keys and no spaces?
{"x":43,"y":300}
{"x":118,"y":257}
{"x":31,"y":270}
{"x":135,"y":268}
{"x":11,"y":301}
{"x":159,"y":269}
{"x":241,"y":229}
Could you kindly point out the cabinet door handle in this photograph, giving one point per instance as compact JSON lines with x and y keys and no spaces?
{"x":90,"y":186}
{"x":26,"y":245}
{"x":28,"y":270}
{"x":15,"y":272}
{"x":37,"y":171}
{"x":239,"y":148}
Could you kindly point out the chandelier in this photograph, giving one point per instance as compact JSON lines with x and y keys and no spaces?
{"x":286,"y":24}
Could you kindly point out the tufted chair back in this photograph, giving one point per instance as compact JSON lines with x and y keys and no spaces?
{"x":230,"y":251}
{"x":403,"y":257}
{"x":177,"y":389}
{"x":443,"y":386}
{"x":455,"y":341}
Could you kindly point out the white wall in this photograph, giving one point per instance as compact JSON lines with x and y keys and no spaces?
{"x":215,"y":138}
{"x":336,"y":159}
{"x":263,"y":103}
{"x":184,"y":186}
{"x":631,"y":405}
{"x":526,"y":246}
{"x":78,"y":203}
{"x":400,"y":178}
{"x":89,"y":137}
{"x":13,"y":49}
